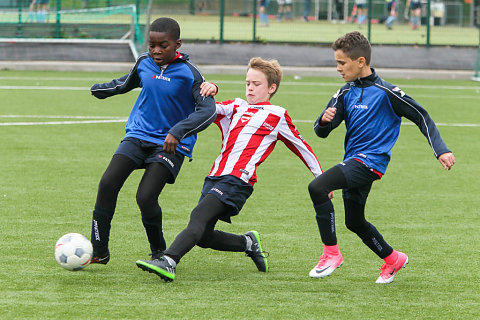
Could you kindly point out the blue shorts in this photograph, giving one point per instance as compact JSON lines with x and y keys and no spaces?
{"x":359,"y":179}
{"x":231,"y":190}
{"x":144,"y":152}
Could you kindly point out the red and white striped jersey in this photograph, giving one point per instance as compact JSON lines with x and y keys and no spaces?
{"x":249,"y":134}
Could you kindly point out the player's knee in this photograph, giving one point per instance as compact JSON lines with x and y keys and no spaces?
{"x":318,"y":193}
{"x":146,"y":201}
{"x":204,"y":243}
{"x":107,"y":186}
{"x":355,"y":226}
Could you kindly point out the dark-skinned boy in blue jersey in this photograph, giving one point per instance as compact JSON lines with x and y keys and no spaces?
{"x":160,"y":131}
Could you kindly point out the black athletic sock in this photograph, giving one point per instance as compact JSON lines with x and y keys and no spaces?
{"x":101,"y":224}
{"x":326,"y":222}
{"x":154,"y":230}
{"x":202,"y":223}
{"x":224,"y":241}
{"x":374,"y":240}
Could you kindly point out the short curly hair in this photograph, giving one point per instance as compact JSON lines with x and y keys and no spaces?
{"x":354,"y":45}
{"x":167,"y":25}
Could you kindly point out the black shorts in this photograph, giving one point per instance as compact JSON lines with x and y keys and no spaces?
{"x":415,"y":5}
{"x":359,"y":179}
{"x":143,"y":152}
{"x":231,"y":190}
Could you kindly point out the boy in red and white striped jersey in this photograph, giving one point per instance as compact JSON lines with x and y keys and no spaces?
{"x":250,"y":130}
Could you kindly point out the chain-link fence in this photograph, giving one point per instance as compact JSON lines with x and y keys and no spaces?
{"x":451,"y":22}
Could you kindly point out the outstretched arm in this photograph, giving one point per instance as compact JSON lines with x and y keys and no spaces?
{"x":206,"y":89}
{"x":204,"y":115}
{"x":121,"y":85}
{"x":405,"y":106}
{"x":289,"y":135}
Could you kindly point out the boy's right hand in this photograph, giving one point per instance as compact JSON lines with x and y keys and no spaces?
{"x":208,"y":89}
{"x":328,"y":116}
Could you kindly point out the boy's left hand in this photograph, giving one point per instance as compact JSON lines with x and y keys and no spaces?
{"x":447,"y":160}
{"x":170,"y":144}
{"x":208,"y":89}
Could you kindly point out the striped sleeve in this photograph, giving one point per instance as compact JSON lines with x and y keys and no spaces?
{"x":289,"y":135}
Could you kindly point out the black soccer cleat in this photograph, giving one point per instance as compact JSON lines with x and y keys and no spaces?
{"x":257,"y":254}
{"x":161,"y":267}
{"x":100,"y":258}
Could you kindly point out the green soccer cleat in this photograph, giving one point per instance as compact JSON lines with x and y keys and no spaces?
{"x":257,"y":254}
{"x":161,"y":267}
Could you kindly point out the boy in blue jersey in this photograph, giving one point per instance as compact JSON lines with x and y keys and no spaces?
{"x":372,"y":109}
{"x":160,"y":131}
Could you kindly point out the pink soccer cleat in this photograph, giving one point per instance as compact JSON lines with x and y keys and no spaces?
{"x":388,"y":271}
{"x":326,"y":265}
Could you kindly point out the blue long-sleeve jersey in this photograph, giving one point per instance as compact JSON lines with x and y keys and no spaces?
{"x":372,"y":109}
{"x":169,"y":101}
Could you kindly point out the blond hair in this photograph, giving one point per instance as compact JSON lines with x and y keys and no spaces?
{"x":271,"y":68}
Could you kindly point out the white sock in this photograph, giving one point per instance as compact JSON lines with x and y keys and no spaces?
{"x":249,"y":243}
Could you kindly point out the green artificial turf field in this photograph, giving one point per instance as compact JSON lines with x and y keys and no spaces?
{"x":56,"y":141}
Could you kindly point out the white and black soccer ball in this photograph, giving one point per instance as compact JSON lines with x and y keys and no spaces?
{"x":73,"y":251}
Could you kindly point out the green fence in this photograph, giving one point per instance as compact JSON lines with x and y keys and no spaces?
{"x":74,"y":19}
{"x":451,"y":22}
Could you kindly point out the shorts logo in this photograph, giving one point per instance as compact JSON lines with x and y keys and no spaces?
{"x":217,"y":191}
{"x":166,"y":160}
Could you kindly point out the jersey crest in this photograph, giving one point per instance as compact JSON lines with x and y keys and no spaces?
{"x":246,"y":116}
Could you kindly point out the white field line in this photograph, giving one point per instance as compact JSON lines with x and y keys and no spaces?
{"x":57,"y":116}
{"x":58,"y":122}
{"x":235,"y":82}
{"x":112,"y":119}
{"x":439,"y":124}
{"x":463,"y":96}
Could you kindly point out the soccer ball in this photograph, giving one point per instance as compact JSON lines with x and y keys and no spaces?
{"x":73,"y":251}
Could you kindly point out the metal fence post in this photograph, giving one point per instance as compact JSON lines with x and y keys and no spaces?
{"x":476,"y":76}
{"x":369,"y":14}
{"x":428,"y":23}
{"x":19,"y":25}
{"x":222,"y":16}
{"x":57,"y":22}
{"x":254,"y":38}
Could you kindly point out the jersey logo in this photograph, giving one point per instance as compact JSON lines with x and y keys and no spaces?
{"x":398,"y":90}
{"x":268,"y":126}
{"x":160,"y":77}
{"x":360,"y":106}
